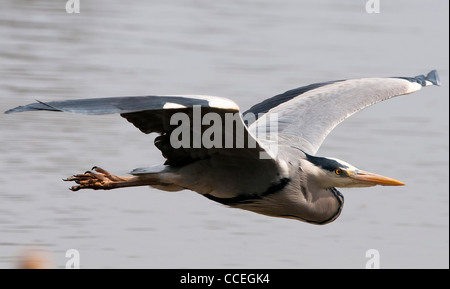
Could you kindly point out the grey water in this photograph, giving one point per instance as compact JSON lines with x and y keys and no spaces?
{"x":243,"y":50}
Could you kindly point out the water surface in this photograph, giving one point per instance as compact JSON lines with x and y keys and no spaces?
{"x":244,"y":50}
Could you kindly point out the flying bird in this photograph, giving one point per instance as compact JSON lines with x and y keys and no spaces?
{"x":263,"y":160}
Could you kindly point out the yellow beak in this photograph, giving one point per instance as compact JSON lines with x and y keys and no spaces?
{"x":374,"y":179}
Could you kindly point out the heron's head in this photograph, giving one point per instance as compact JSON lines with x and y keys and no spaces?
{"x":332,"y":172}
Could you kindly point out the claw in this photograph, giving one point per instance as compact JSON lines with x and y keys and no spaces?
{"x":97,"y":179}
{"x":100,"y":170}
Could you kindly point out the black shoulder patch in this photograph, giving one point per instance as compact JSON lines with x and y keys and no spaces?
{"x":248,"y":199}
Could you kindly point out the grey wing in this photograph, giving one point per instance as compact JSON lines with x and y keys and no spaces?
{"x":154,"y":114}
{"x":110,"y":105}
{"x":309,"y":116}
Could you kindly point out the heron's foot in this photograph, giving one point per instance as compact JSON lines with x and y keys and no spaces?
{"x":96,"y":179}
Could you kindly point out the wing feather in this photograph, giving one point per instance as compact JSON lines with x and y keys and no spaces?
{"x":306,"y":114}
{"x":126,"y":104}
{"x":153,"y":114}
{"x":311,"y":115}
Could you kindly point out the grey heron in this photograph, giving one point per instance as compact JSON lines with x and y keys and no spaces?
{"x":287,"y":180}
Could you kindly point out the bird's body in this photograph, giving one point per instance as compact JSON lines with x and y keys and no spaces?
{"x":213,"y":150}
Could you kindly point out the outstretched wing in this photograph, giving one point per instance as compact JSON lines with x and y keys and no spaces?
{"x":305,"y":115}
{"x":211,"y":125}
{"x":308,"y":114}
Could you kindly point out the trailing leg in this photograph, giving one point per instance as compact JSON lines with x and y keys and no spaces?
{"x":103,"y":180}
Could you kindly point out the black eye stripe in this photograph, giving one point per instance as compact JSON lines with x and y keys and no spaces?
{"x":325,"y":163}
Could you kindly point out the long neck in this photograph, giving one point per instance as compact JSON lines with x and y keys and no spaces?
{"x":297,"y":201}
{"x":329,"y":208}
{"x":315,"y":205}
{"x":314,"y":201}
{"x":301,"y":197}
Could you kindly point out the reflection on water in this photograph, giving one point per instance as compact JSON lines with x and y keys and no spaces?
{"x":237,"y":49}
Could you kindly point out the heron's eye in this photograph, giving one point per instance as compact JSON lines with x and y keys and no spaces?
{"x":338,"y":171}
